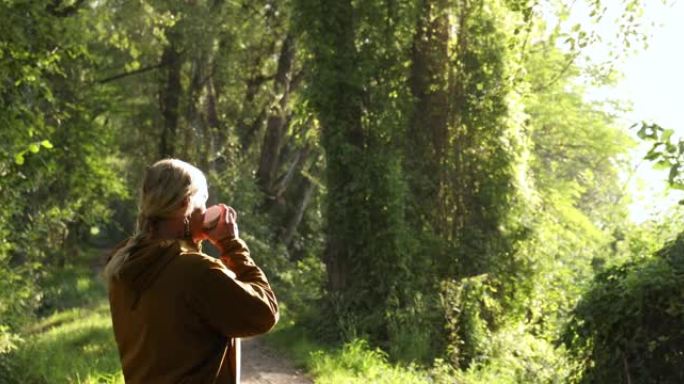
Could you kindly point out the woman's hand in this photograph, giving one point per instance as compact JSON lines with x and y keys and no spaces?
{"x":226,"y":227}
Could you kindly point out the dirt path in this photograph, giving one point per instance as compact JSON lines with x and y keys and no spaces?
{"x":263,"y":365}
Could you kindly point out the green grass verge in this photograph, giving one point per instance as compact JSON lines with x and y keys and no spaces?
{"x":72,"y":346}
{"x":354,"y":362}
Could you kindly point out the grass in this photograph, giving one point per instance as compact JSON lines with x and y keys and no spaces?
{"x":72,"y":340}
{"x":354,"y":362}
{"x":73,"y":346}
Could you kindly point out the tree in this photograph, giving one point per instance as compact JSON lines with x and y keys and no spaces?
{"x":354,"y":86}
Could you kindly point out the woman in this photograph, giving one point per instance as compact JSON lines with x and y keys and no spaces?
{"x":177,"y":312}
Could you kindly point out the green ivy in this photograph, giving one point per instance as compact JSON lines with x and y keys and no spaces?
{"x":628,"y":326}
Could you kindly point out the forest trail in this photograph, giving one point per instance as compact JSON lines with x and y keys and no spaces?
{"x":263,"y":365}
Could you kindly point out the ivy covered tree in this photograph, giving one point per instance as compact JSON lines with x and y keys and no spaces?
{"x":357,"y":89}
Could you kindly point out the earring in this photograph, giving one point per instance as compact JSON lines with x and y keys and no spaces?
{"x":186,"y":229}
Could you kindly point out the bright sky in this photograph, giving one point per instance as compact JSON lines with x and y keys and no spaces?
{"x":653,"y":82}
{"x":654,"y":79}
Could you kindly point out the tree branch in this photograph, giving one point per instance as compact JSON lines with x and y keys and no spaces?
{"x":130,"y":73}
{"x":560,"y":74}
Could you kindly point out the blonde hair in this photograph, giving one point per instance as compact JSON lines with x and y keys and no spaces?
{"x":167,"y":186}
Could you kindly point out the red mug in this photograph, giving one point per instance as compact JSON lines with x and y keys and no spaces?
{"x":211,"y":217}
{"x":213,"y":214}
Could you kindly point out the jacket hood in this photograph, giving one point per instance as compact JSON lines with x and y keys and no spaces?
{"x":146,"y":261}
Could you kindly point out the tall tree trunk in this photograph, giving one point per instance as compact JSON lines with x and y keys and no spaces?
{"x":307,"y":191}
{"x":275,"y":125}
{"x":428,"y":129}
{"x":214,"y":134}
{"x":246,"y":130}
{"x":170,"y":97}
{"x":195,"y":127}
{"x":344,"y":142}
{"x":366,"y":248}
{"x":458,"y":178}
{"x":281,"y":184}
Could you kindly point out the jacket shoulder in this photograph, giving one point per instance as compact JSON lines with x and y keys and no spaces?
{"x":200,"y":271}
{"x":198,"y":259}
{"x":198,"y":263}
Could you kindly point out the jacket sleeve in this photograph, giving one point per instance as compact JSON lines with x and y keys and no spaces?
{"x":238,"y":302}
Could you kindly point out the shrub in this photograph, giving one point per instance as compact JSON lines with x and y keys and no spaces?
{"x":629,"y":326}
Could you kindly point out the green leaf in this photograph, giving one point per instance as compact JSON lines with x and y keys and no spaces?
{"x":674,"y":172}
{"x":34,"y":148}
{"x":19,"y":158}
{"x":653,"y":153}
{"x":47,"y":144}
{"x":670,"y":148}
{"x":646,"y":132}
